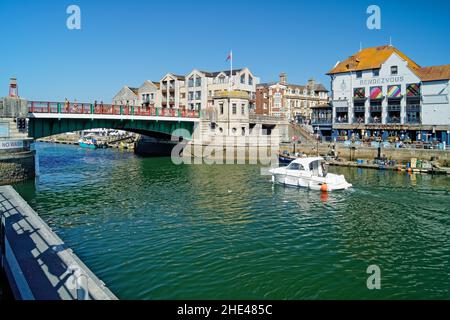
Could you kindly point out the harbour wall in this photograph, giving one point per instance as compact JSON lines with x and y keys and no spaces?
{"x":402,"y":155}
{"x":36,"y":262}
{"x":17,"y":166}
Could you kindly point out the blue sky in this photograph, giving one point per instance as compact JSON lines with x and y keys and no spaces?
{"x":127,"y":42}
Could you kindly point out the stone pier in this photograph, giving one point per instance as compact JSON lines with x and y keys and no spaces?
{"x":17,"y":159}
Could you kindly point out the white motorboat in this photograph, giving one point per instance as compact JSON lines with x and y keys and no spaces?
{"x":309,"y":173}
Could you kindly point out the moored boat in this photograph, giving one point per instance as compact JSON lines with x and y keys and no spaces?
{"x":309,"y":173}
{"x":88,"y":143}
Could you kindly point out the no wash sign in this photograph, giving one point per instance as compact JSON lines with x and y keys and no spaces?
{"x":17,"y":144}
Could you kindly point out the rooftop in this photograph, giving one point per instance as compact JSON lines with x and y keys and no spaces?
{"x":434,"y":73}
{"x":370,"y":58}
{"x":374,"y":57}
{"x":216,"y":73}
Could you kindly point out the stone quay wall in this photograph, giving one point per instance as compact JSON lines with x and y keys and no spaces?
{"x":16,"y":167}
{"x":402,"y":155}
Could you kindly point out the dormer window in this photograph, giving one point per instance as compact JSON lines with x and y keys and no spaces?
{"x":394,"y":70}
{"x":243,"y":79}
{"x":250,"y":80}
{"x":358,"y":74}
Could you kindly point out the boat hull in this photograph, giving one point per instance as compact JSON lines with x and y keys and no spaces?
{"x":312,"y":184}
{"x":87,"y":145}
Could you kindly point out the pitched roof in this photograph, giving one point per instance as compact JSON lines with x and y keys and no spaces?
{"x":371,"y":58}
{"x":434,"y":73}
{"x":135,"y":90}
{"x":179,"y":77}
{"x":216,"y":73}
{"x":318,"y":87}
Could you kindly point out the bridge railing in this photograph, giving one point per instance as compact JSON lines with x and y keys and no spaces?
{"x":107,"y":109}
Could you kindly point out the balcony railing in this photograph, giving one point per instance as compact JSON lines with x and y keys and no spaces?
{"x":359,"y":120}
{"x":412,"y":120}
{"x":394,"y":107}
{"x":375,"y":120}
{"x":393,"y":120}
{"x":321,"y":121}
{"x":413,"y":108}
{"x":341,"y":120}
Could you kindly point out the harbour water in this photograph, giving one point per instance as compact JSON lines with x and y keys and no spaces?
{"x":153,"y":230}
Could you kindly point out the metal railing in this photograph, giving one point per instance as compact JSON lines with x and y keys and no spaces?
{"x":340,"y":120}
{"x":413,"y":120}
{"x":107,"y":109}
{"x":321,"y":121}
{"x":375,"y":120}
{"x":393,"y":119}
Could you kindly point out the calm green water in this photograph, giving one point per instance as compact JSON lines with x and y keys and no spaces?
{"x":153,"y":230}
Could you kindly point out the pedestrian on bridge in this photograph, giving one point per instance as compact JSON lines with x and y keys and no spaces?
{"x":67,"y":105}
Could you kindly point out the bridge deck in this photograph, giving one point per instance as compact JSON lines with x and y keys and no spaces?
{"x":73,"y":110}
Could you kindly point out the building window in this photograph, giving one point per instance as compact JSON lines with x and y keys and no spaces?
{"x":243,"y":131}
{"x":359,"y":74}
{"x":221,"y":108}
{"x":198,"y":95}
{"x":265,"y":106}
{"x":191,"y":82}
{"x":234,"y":108}
{"x":394,"y":70}
{"x":243,"y":79}
{"x":376,"y":72}
{"x":243,"y":110}
{"x":198,"y":82}
{"x":221,"y":79}
{"x":250,"y":80}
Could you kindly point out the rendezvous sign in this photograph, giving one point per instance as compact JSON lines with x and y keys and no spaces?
{"x":11,"y":144}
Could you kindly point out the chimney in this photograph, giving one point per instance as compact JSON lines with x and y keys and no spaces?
{"x":13,"y":90}
{"x":283,"y":78}
{"x":311,"y":82}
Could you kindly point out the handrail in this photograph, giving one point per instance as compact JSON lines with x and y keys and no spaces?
{"x":107,"y":109}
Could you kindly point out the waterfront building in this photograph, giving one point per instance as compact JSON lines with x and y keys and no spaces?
{"x":203,"y":86}
{"x":381,"y":92}
{"x":172,"y":91}
{"x":127,"y":96}
{"x":149,"y":94}
{"x":292,"y":101}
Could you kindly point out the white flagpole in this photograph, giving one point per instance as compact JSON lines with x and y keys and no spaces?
{"x":231,"y":70}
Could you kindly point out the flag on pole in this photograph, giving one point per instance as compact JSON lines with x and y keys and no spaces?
{"x":230,"y":56}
